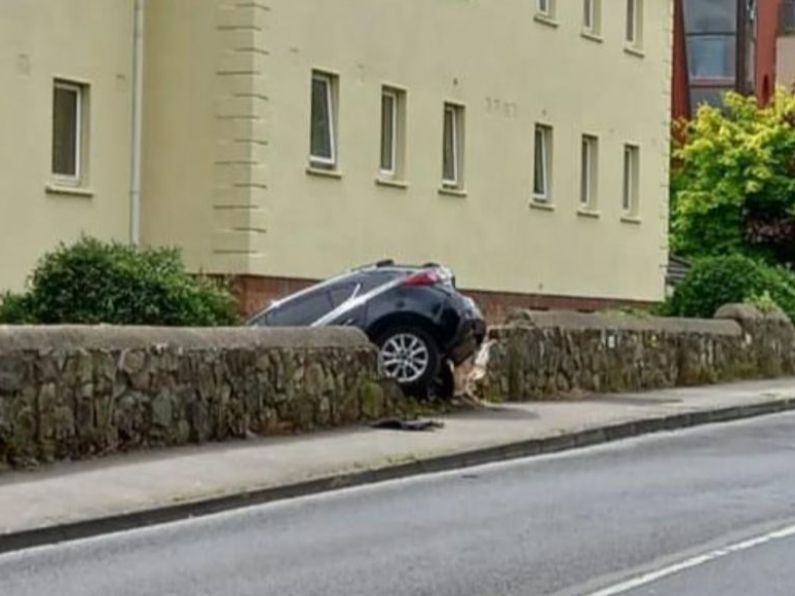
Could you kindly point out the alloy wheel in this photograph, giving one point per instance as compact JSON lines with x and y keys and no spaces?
{"x":405,"y":357}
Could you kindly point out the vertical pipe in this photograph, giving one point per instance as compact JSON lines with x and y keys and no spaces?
{"x":137,"y":123}
{"x":741,"y":83}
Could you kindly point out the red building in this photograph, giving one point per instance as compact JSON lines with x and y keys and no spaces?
{"x":723,"y":45}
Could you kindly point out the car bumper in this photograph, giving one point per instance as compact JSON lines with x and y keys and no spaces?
{"x":468,"y":339}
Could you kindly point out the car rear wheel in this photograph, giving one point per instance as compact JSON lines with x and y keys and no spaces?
{"x":410,"y":356}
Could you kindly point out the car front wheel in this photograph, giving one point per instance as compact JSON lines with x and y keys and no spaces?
{"x":411,"y":357}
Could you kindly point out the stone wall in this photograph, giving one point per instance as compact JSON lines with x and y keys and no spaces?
{"x":72,"y":392}
{"x":554,"y":355}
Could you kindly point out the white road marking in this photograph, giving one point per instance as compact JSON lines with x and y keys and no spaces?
{"x":648,"y":578}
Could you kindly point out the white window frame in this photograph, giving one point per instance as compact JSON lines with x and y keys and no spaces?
{"x":545,"y":196}
{"x":634,"y":26}
{"x":545,"y":7}
{"x":592,"y":17}
{"x":630,"y":180}
{"x":589,"y":15}
{"x":394,"y":95}
{"x":589,"y":171}
{"x":322,"y":160}
{"x":79,"y":91}
{"x":457,"y":112}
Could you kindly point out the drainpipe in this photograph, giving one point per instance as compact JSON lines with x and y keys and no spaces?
{"x":741,"y":84}
{"x":137,"y":123}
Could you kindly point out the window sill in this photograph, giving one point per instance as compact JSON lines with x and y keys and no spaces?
{"x":591,"y":36}
{"x":542,"y":205}
{"x":323,"y":173}
{"x":388,"y":182}
{"x":72,"y":191}
{"x":546,"y":20}
{"x":589,"y":213}
{"x":631,"y":219}
{"x":634,"y":51}
{"x":453,"y":192}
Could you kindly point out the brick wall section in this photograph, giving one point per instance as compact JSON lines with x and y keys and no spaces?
{"x":256,"y":292}
{"x":497,"y":306}
{"x":73,"y":392}
{"x":560,"y":355}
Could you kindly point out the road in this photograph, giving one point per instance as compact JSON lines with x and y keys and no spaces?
{"x":704,"y":511}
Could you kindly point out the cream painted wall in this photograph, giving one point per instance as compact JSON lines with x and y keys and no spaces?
{"x":469,"y":51}
{"x":179,"y":134}
{"x":227,"y":139}
{"x":88,"y":41}
{"x":204,"y":142}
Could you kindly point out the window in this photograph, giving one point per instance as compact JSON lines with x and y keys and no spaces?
{"x":67,"y":131}
{"x":712,"y":51}
{"x":453,"y":147}
{"x":592,"y":16}
{"x":342,"y":292}
{"x":393,"y":105}
{"x":323,"y":142}
{"x":631,"y":178}
{"x":542,"y":170}
{"x":544,"y":7}
{"x":634,"y":35}
{"x":388,"y":131}
{"x":712,"y":56}
{"x":589,"y":169}
{"x":712,"y":96}
{"x":711,"y":16}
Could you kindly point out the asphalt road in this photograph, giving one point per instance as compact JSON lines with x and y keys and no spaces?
{"x":705,"y":511}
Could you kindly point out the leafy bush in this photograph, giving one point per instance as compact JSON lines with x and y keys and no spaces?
{"x":15,"y":309}
{"x":715,"y":281}
{"x":733,"y":181}
{"x":763,"y":302}
{"x":93,"y":282}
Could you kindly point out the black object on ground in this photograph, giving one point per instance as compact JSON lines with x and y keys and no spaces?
{"x":408,"y":425}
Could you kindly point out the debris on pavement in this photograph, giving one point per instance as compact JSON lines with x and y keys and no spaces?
{"x":408,"y":425}
{"x":470,"y":374}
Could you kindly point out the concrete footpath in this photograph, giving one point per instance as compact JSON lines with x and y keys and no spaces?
{"x":72,"y":500}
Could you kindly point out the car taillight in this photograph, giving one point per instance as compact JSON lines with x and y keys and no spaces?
{"x":423,"y":278}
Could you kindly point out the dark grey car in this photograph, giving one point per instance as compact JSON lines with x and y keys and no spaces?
{"x":414,"y":315}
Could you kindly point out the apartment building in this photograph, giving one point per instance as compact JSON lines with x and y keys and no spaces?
{"x":524,"y":143}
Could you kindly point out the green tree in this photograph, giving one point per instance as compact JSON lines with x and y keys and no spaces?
{"x":733,"y":181}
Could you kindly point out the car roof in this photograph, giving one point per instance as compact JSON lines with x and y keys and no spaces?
{"x":389,"y":267}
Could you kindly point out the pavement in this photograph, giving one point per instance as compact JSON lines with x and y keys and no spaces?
{"x":706,"y":510}
{"x":74,"y":500}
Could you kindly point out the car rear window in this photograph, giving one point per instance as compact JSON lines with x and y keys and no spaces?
{"x":374,"y":279}
{"x":341,"y":292}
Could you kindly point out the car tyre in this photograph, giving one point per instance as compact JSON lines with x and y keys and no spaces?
{"x":410,"y":355}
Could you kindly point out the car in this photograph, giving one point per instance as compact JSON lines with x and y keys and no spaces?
{"x":420,"y":323}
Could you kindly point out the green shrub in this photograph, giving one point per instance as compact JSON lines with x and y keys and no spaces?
{"x":94,"y":282}
{"x":15,"y":309}
{"x":715,"y":281}
{"x":763,"y":302}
